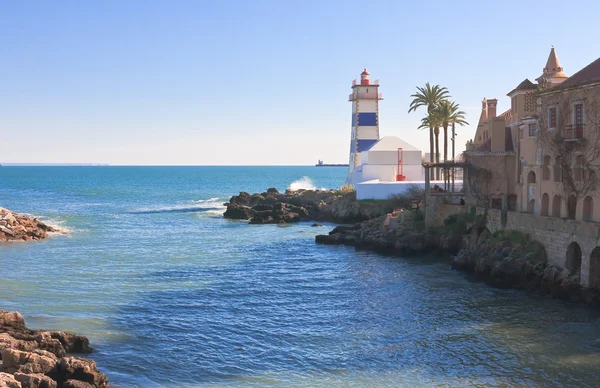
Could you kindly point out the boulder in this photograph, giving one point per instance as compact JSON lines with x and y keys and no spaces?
{"x":35,"y":380}
{"x":72,"y":343}
{"x":37,"y":361}
{"x":76,"y":384}
{"x":8,"y":381}
{"x":238,"y":212}
{"x":12,"y":321}
{"x":71,"y":368}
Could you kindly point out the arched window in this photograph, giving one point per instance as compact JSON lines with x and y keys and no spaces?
{"x":546,"y":170}
{"x":556,"y":206}
{"x":545,"y":204}
{"x":588,"y":209}
{"x":558,"y":169}
{"x":531,"y":177}
{"x":573,"y":262}
{"x":572,"y":207}
{"x":594,"y":279}
{"x":578,"y":170}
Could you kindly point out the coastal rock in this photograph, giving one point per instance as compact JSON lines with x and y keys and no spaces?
{"x":8,"y":381}
{"x":17,"y":227}
{"x":35,"y":357}
{"x":35,"y":380}
{"x":298,"y":205}
{"x":238,"y":211}
{"x":70,"y":368}
{"x":76,"y":384}
{"x":38,"y":361}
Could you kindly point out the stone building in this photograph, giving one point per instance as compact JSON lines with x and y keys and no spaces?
{"x":542,"y":157}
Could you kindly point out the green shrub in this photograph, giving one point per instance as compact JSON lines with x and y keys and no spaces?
{"x":512,"y":236}
{"x":407,"y":200}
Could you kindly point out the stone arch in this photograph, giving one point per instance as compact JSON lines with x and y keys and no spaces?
{"x":594,"y":278}
{"x":531,"y":177}
{"x":556,"y":206}
{"x":546,"y":170}
{"x":573,"y":262}
{"x":531,"y":206}
{"x":572,"y":207}
{"x":588,"y":208}
{"x":545,"y":204}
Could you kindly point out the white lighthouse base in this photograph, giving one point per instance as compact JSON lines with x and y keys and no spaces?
{"x":376,"y":189}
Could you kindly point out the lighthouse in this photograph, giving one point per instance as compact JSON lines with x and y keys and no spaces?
{"x":365,"y":98}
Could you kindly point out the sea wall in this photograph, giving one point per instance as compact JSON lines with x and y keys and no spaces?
{"x":562,"y":238}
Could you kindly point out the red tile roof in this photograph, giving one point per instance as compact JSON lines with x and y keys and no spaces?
{"x":588,"y":74}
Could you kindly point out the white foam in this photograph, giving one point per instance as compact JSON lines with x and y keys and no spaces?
{"x":304,"y":183}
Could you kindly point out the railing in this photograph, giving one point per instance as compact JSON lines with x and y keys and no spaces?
{"x":573,"y":132}
{"x":356,"y":82}
{"x":365,"y":96}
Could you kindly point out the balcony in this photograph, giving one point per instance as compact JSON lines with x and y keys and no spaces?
{"x":573,"y":132}
{"x":365,"y":96}
{"x":357,"y":83}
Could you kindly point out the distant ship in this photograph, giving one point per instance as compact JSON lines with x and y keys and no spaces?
{"x":321,"y":164}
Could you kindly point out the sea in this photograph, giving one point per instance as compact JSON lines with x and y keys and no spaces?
{"x":171,"y":294}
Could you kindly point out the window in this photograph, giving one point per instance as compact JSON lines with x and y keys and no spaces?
{"x":552,"y":117}
{"x":578,"y":114}
{"x":532,"y":130}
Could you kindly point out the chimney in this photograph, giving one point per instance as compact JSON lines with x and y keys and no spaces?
{"x":484,"y":111}
{"x":491,"y":108}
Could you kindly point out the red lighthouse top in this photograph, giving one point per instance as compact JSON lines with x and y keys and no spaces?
{"x":364,"y":78}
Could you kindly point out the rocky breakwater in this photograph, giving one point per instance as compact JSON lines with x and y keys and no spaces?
{"x":273,"y":207}
{"x":37,"y":358}
{"x":18,"y":227}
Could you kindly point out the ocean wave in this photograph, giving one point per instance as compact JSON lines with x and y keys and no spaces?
{"x":208,"y":206}
{"x":304,"y":183}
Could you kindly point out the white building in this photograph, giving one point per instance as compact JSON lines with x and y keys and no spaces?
{"x":381,"y":162}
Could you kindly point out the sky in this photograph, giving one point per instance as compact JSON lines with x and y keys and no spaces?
{"x":257,"y":82}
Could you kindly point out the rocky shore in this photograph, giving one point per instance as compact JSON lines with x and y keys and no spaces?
{"x":272,"y":207}
{"x":18,"y":227}
{"x":38,"y":358}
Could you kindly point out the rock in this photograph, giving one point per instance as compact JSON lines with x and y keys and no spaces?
{"x":9,"y":342}
{"x":35,"y":380}
{"x":52,"y":345}
{"x":238,"y":212}
{"x":70,"y":368}
{"x":316,"y":224}
{"x":37,"y":361}
{"x":76,"y":384}
{"x":72,"y":343}
{"x":272,"y":191}
{"x":8,"y":381}
{"x":12,"y":321}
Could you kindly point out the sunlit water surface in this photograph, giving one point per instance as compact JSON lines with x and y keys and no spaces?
{"x":173,"y":295}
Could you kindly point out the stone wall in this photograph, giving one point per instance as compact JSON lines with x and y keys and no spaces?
{"x":556,"y":234}
{"x":440,"y":206}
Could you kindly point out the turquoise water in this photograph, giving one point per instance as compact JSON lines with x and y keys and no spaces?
{"x":173,"y":295}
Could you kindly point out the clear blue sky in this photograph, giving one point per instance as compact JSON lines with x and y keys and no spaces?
{"x":257,"y":82}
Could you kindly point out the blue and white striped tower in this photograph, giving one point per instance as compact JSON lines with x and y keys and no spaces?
{"x":365,"y":98}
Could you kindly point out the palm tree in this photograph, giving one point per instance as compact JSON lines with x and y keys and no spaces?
{"x":448,"y":113}
{"x":433,"y":120}
{"x":429,"y":97}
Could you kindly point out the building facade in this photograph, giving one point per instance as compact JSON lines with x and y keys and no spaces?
{"x":541,"y":158}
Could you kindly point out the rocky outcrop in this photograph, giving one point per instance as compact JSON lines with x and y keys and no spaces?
{"x":272,"y":207}
{"x":402,"y":240}
{"x":18,"y":227}
{"x":36,"y":358}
